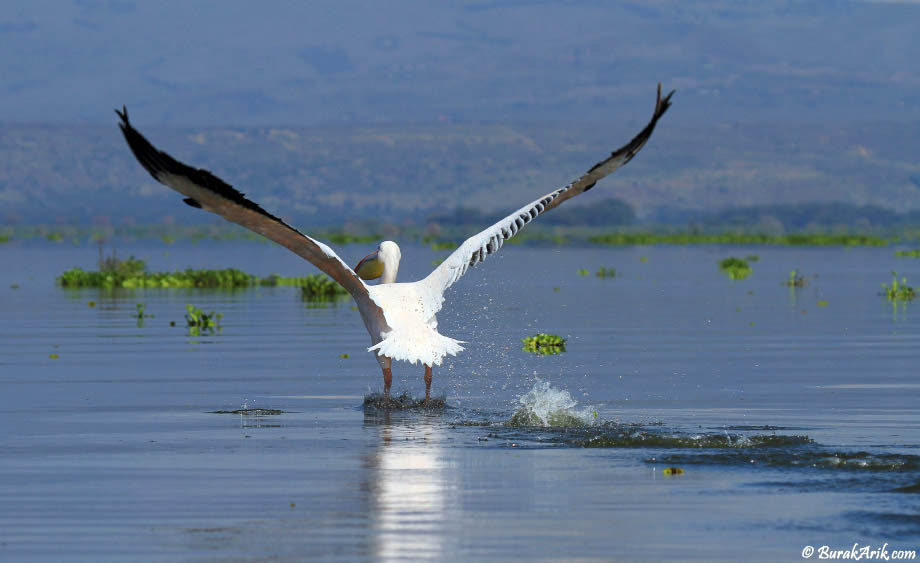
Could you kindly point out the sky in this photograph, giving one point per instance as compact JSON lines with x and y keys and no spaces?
{"x":302,"y":63}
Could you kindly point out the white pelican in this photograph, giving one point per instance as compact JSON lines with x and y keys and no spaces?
{"x":400,"y":317}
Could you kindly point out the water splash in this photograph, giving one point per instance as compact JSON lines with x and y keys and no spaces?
{"x":544,"y":405}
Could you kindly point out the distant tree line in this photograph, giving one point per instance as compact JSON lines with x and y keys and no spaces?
{"x":804,"y":216}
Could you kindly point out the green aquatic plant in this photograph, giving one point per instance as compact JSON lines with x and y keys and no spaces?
{"x":898,"y":291}
{"x":540,"y":238}
{"x":795,"y":279}
{"x":443,"y":245}
{"x":544,"y":344}
{"x":140,"y":312}
{"x":340,"y":237}
{"x":199,"y":322}
{"x":318,"y":287}
{"x":583,"y":272}
{"x":114,"y":265}
{"x":735,"y":268}
{"x":908,"y":253}
{"x":605,"y":273}
{"x":132,"y":274}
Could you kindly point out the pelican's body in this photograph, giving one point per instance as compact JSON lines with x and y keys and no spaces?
{"x":400,"y":317}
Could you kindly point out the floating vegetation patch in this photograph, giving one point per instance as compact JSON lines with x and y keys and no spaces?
{"x":443,"y":245}
{"x":614,"y":435}
{"x":913,"y":489}
{"x":583,"y":272}
{"x":606,"y":273}
{"x":735,"y":268}
{"x":908,"y":253}
{"x":555,"y":421}
{"x":638,"y":239}
{"x":403,"y":401}
{"x":539,"y":238}
{"x":544,"y":344}
{"x":546,"y":406}
{"x":132,"y":273}
{"x":341,"y":237}
{"x":671,"y":471}
{"x":809,"y":457}
{"x":252,"y":412}
{"x":318,"y":287}
{"x":795,"y":279}
{"x":199,"y":322}
{"x":898,"y":291}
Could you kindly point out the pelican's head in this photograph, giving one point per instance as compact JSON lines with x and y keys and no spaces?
{"x":382,"y":262}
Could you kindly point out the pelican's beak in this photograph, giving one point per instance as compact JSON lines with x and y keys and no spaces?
{"x":370,"y":267}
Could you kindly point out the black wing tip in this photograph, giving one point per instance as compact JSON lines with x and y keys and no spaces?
{"x":662,"y":104}
{"x":123,"y":114}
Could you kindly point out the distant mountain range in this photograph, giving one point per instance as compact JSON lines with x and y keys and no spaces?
{"x":415,"y":174}
{"x":329,"y":112}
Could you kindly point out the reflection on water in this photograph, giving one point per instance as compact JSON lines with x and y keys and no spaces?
{"x":411,"y":486}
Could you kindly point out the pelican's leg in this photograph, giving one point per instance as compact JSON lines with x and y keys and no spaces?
{"x":427,"y":382}
{"x":387,"y":381}
{"x":385,"y":363}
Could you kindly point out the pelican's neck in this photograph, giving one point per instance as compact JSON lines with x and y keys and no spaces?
{"x":390,"y":267}
{"x":388,"y":253}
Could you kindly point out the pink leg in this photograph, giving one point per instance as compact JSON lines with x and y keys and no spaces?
{"x":387,"y":381}
{"x":427,"y":382}
{"x":387,"y":374}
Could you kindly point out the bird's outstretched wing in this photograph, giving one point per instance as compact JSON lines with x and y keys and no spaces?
{"x":206,"y":191}
{"x":476,"y":248}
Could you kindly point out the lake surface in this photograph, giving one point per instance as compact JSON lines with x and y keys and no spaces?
{"x":793,"y":413}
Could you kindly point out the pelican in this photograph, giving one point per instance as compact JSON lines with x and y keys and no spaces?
{"x":400,"y":317}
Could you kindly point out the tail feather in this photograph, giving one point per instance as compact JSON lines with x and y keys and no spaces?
{"x":428,"y":347}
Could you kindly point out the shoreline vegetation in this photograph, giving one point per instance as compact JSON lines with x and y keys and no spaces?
{"x":447,"y":238}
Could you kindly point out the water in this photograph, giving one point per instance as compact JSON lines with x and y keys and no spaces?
{"x":794,"y":423}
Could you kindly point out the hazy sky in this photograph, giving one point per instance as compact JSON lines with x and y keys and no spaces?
{"x":243,"y":63}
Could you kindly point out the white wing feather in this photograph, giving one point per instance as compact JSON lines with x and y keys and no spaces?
{"x":475,"y":249}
